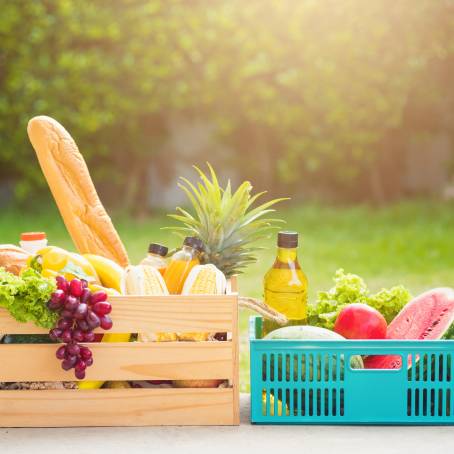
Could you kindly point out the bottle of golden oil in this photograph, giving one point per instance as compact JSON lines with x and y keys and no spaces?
{"x":286,"y":284}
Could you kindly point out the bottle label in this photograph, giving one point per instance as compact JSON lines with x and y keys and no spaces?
{"x":292,"y":304}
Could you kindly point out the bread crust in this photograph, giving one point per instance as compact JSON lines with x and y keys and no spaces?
{"x":12,"y":258}
{"x":87,"y":221}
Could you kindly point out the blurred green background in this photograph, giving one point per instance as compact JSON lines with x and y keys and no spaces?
{"x":332,"y":100}
{"x":348,"y":107}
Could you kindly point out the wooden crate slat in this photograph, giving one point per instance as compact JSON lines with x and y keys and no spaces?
{"x":173,"y":313}
{"x":122,"y":361}
{"x":235,"y":359}
{"x":116,"y":407}
{"x":131,"y":361}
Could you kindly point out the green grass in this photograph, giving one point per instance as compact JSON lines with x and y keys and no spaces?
{"x":409,"y":243}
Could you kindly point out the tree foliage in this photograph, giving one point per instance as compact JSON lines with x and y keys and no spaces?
{"x":309,"y":86}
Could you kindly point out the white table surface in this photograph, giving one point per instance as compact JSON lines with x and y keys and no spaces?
{"x":234,"y":440}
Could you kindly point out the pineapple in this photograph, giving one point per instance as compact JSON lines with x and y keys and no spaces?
{"x":226,"y":222}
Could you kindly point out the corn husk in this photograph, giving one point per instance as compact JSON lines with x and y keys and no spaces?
{"x":146,"y":280}
{"x":143,"y":280}
{"x":205,"y":280}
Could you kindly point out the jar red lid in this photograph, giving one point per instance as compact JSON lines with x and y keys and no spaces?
{"x":32,"y":236}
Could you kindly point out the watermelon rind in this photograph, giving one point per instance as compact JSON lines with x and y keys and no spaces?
{"x":429,"y":316}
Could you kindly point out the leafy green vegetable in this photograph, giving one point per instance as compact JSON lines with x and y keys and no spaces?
{"x":25,"y":297}
{"x":389,"y":302}
{"x":350,"y":288}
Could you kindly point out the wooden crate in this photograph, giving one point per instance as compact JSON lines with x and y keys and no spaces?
{"x":131,"y":361}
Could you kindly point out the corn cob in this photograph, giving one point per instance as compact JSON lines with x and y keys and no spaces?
{"x":157,"y":337}
{"x":203,"y":280}
{"x":146,"y":280}
{"x":143,"y":280}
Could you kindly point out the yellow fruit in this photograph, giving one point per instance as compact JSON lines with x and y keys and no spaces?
{"x":83,"y":263}
{"x":49,"y":273}
{"x":110,"y":273}
{"x":116,"y":337}
{"x":109,"y":291}
{"x":54,"y":259}
{"x":71,"y":265}
{"x":89,"y":384}
{"x":117,"y":385}
{"x":44,"y":250}
{"x":196,"y":383}
{"x":280,"y":408}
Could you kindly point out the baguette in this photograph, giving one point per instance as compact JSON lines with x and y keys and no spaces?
{"x":89,"y":225}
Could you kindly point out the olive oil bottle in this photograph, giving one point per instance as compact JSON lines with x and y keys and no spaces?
{"x":285,"y":284}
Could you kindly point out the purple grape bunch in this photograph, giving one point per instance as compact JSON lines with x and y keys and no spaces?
{"x":81,"y":312}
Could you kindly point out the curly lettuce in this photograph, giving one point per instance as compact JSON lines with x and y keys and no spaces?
{"x":350,"y":288}
{"x":25,"y":297}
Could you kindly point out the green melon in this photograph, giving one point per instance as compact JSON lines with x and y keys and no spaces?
{"x":313,"y":361}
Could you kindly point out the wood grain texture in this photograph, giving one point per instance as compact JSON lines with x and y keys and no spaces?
{"x":173,"y":313}
{"x":131,"y":361}
{"x":116,"y":407}
{"x":122,"y":361}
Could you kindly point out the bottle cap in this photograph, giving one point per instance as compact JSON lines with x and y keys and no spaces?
{"x":194,"y":242}
{"x":159,"y":249}
{"x":287,"y":239}
{"x":32,"y":236}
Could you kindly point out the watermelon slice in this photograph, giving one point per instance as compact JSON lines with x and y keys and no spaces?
{"x":426,"y":317}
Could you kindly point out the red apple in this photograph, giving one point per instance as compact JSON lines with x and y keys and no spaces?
{"x":360,"y":321}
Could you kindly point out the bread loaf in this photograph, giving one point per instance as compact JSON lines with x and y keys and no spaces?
{"x":74,"y":192}
{"x":12,"y":258}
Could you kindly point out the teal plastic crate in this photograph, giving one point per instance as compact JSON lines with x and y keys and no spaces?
{"x":312,"y":382}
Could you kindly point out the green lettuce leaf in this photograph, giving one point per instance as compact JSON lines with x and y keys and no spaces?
{"x":25,"y":297}
{"x":350,"y":288}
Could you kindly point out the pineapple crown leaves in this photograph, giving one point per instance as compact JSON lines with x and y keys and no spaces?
{"x":226,"y":221}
